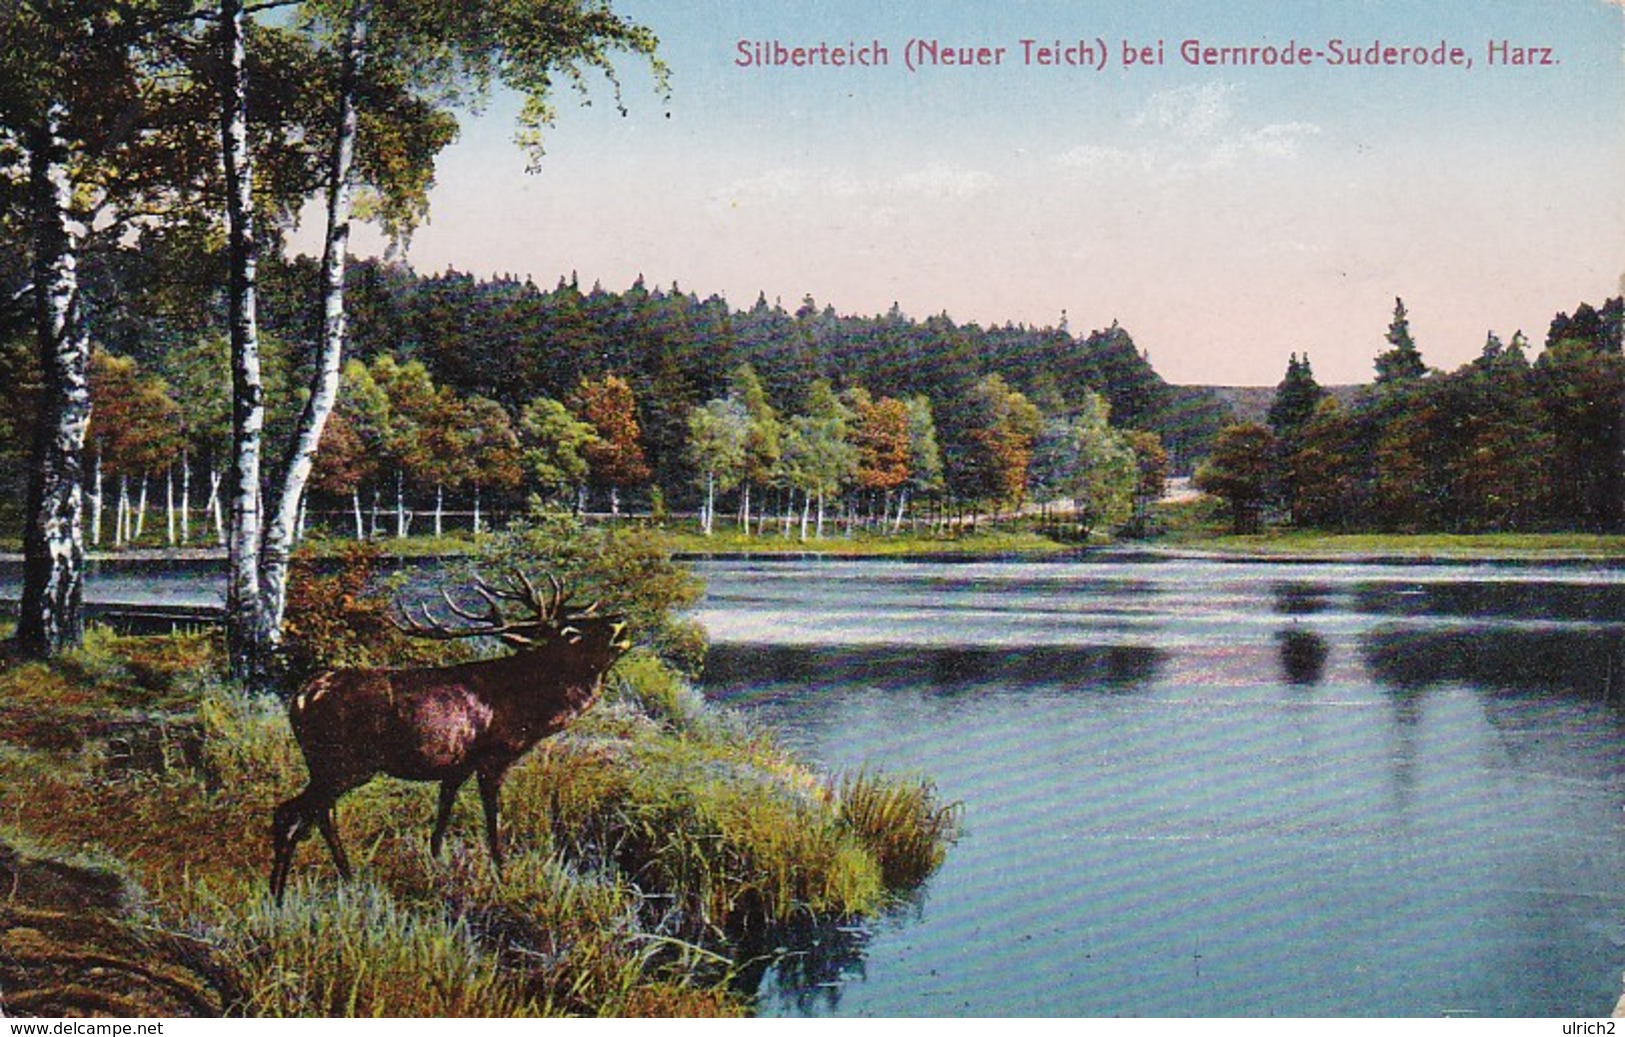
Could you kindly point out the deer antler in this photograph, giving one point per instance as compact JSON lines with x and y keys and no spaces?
{"x":545,"y":613}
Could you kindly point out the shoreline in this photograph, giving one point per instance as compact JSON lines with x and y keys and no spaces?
{"x":1119,"y":552}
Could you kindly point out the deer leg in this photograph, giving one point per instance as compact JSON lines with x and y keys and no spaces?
{"x":287,"y":826}
{"x":442,"y":819}
{"x":291,"y":823}
{"x":490,"y":788}
{"x":324,"y":821}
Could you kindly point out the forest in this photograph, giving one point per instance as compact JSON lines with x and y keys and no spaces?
{"x":466,"y":395}
{"x":1507,"y":443}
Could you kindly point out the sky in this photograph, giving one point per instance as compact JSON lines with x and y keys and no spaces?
{"x":1226,"y":215}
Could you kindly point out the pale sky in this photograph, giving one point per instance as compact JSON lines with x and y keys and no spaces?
{"x":1226,"y":216}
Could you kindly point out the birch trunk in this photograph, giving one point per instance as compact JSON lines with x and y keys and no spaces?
{"x":50,"y":613}
{"x":247,"y":634}
{"x":121,"y":518}
{"x":186,"y":498}
{"x":360,"y":528}
{"x":213,"y":507}
{"x":400,"y":505}
{"x":96,"y":506}
{"x":710,"y":500}
{"x":140,"y":510}
{"x":283,"y":523}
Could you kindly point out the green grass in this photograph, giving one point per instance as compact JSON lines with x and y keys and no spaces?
{"x":454,"y":544}
{"x":1202,"y":524}
{"x":1420,"y":546}
{"x":986,"y":541}
{"x":649,"y":846}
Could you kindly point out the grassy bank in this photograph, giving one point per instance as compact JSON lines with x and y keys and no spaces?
{"x":1203,"y":525}
{"x":660,"y":851}
{"x":1195,"y":525}
{"x":987,"y":541}
{"x":1420,"y":546}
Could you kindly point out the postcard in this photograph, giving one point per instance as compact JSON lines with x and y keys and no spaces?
{"x":1046,"y":510}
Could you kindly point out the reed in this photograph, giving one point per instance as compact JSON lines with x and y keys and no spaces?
{"x":901,"y":821}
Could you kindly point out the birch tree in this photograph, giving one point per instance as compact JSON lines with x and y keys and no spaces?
{"x":553,"y":446}
{"x":616,"y":458}
{"x":492,"y":447}
{"x":763,"y":434}
{"x":439,"y":50}
{"x":74,"y":103}
{"x":818,"y":454}
{"x":717,"y":436}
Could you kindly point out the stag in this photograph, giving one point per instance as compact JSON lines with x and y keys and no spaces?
{"x":446,"y":723}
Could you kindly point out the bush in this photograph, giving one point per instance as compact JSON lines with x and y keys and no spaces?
{"x":627,"y":570}
{"x":339,"y":613}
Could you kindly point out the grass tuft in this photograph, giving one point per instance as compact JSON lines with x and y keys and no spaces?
{"x":355,"y":952}
{"x":901,"y":822}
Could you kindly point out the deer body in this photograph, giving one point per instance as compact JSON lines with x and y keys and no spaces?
{"x":440,"y":724}
{"x":434,"y":723}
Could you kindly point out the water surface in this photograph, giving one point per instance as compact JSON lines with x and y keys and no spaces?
{"x":1193,"y":787}
{"x":1214,"y":788}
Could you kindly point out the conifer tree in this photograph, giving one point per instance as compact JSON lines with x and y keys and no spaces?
{"x":1402,"y":362}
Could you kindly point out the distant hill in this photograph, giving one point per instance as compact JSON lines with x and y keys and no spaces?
{"x":1252,"y":402}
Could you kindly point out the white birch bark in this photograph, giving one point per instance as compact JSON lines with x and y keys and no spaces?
{"x":245,"y":631}
{"x":50,"y":617}
{"x":281,"y":527}
{"x":97,"y":505}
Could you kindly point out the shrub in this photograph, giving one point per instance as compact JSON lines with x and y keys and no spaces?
{"x":339,"y":614}
{"x":626,"y":569}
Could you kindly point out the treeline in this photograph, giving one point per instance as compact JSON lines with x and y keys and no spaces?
{"x":399,"y":444}
{"x":472,"y":395}
{"x":1509,"y":442}
{"x":511,"y":340}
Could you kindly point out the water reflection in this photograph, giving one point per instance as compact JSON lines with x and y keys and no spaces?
{"x":1584,"y":662}
{"x":1297,"y":598}
{"x":1546,"y":600}
{"x":950,"y":670}
{"x":1303,"y":656}
{"x":803,"y":969}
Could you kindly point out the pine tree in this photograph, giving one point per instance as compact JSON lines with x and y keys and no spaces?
{"x":1402,"y":362}
{"x":1295,"y":400}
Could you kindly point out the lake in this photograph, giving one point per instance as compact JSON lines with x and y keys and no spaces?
{"x":1198,"y":787}
{"x":1213,"y":788}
